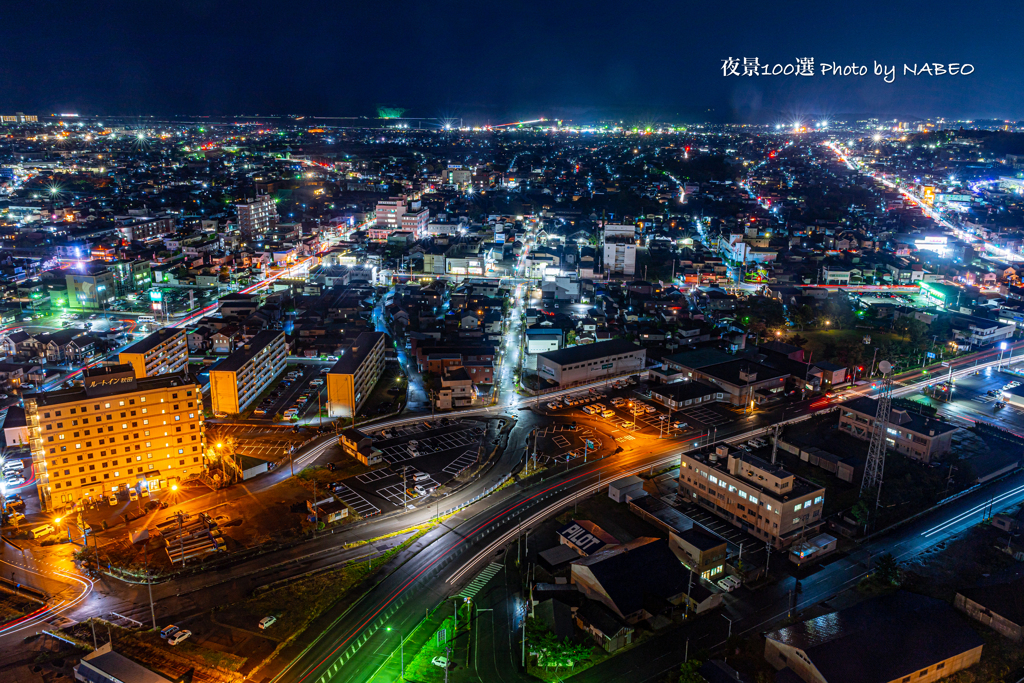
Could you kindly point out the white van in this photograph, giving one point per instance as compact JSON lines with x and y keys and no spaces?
{"x":146,"y":319}
{"x":44,"y":530}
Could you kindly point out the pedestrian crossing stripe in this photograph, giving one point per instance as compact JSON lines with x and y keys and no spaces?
{"x":481,"y":580}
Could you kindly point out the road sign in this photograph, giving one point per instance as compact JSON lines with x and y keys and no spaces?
{"x":931,"y":355}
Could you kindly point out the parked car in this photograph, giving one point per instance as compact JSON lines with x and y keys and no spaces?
{"x":267,"y":622}
{"x":441,"y":661}
{"x":112,"y":499}
{"x":133,"y":495}
{"x":168,"y":631}
{"x":178,"y":637}
{"x":729,"y":583}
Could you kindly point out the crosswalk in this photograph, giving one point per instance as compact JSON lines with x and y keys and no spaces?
{"x":481,"y":580}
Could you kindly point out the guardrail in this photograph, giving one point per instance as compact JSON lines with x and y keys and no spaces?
{"x":484,"y":494}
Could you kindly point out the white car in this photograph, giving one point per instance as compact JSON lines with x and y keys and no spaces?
{"x":179,"y":636}
{"x":133,"y":495}
{"x":267,"y":622}
{"x":729,"y":583}
{"x":440,"y":661}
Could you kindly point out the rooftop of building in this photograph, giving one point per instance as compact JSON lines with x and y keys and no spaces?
{"x":350,"y":362}
{"x":78,"y":394}
{"x":730,"y":372}
{"x":914,"y":422}
{"x":236,"y":360}
{"x":589,"y":352}
{"x":153,"y":340}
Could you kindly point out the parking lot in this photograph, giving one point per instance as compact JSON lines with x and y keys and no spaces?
{"x":562,"y":443}
{"x":424,"y":454}
{"x":643,"y":415}
{"x":286,"y":394}
{"x":270,"y":442}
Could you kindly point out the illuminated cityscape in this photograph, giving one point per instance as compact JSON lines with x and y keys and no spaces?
{"x":512,"y":375}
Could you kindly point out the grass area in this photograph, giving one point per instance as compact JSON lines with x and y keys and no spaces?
{"x":14,"y":608}
{"x":444,"y":641}
{"x":299,"y":602}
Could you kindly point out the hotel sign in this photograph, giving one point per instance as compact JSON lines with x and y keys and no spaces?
{"x":113,"y":383}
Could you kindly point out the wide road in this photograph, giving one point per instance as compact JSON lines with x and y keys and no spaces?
{"x":353,"y":648}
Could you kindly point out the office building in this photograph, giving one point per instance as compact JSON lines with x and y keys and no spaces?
{"x":256,"y":217}
{"x":237,"y":380}
{"x":761,"y":498}
{"x":114,"y":433}
{"x":94,"y":284}
{"x":165,"y":352}
{"x":911,"y":434}
{"x":353,"y":377}
{"x":389,"y":213}
{"x":590,"y":362}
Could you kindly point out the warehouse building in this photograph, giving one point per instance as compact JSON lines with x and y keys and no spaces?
{"x":591,"y":362}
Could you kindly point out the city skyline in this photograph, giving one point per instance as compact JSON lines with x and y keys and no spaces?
{"x":490,"y":65}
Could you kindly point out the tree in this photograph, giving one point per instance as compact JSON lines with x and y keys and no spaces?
{"x":550,"y":650}
{"x":570,"y":338}
{"x":887,"y":570}
{"x":689,"y":672}
{"x":802,"y":316}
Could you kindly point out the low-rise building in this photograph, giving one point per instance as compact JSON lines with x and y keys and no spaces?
{"x":900,"y":638}
{"x":761,"y":498}
{"x":683,"y":394}
{"x":103,"y":665}
{"x":359,"y":445}
{"x":700,"y":551}
{"x":237,"y":380}
{"x":911,"y":434}
{"x":590,"y":362}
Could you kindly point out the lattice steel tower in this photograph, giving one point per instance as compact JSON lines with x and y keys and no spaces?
{"x":875,"y":465}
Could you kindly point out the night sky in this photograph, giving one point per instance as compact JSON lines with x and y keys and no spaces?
{"x":497,"y":62}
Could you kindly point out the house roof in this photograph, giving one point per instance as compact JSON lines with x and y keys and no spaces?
{"x":601,"y":618}
{"x":634,"y":573}
{"x":903,"y":633}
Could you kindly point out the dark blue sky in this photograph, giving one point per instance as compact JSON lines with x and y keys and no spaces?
{"x":496,"y":62}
